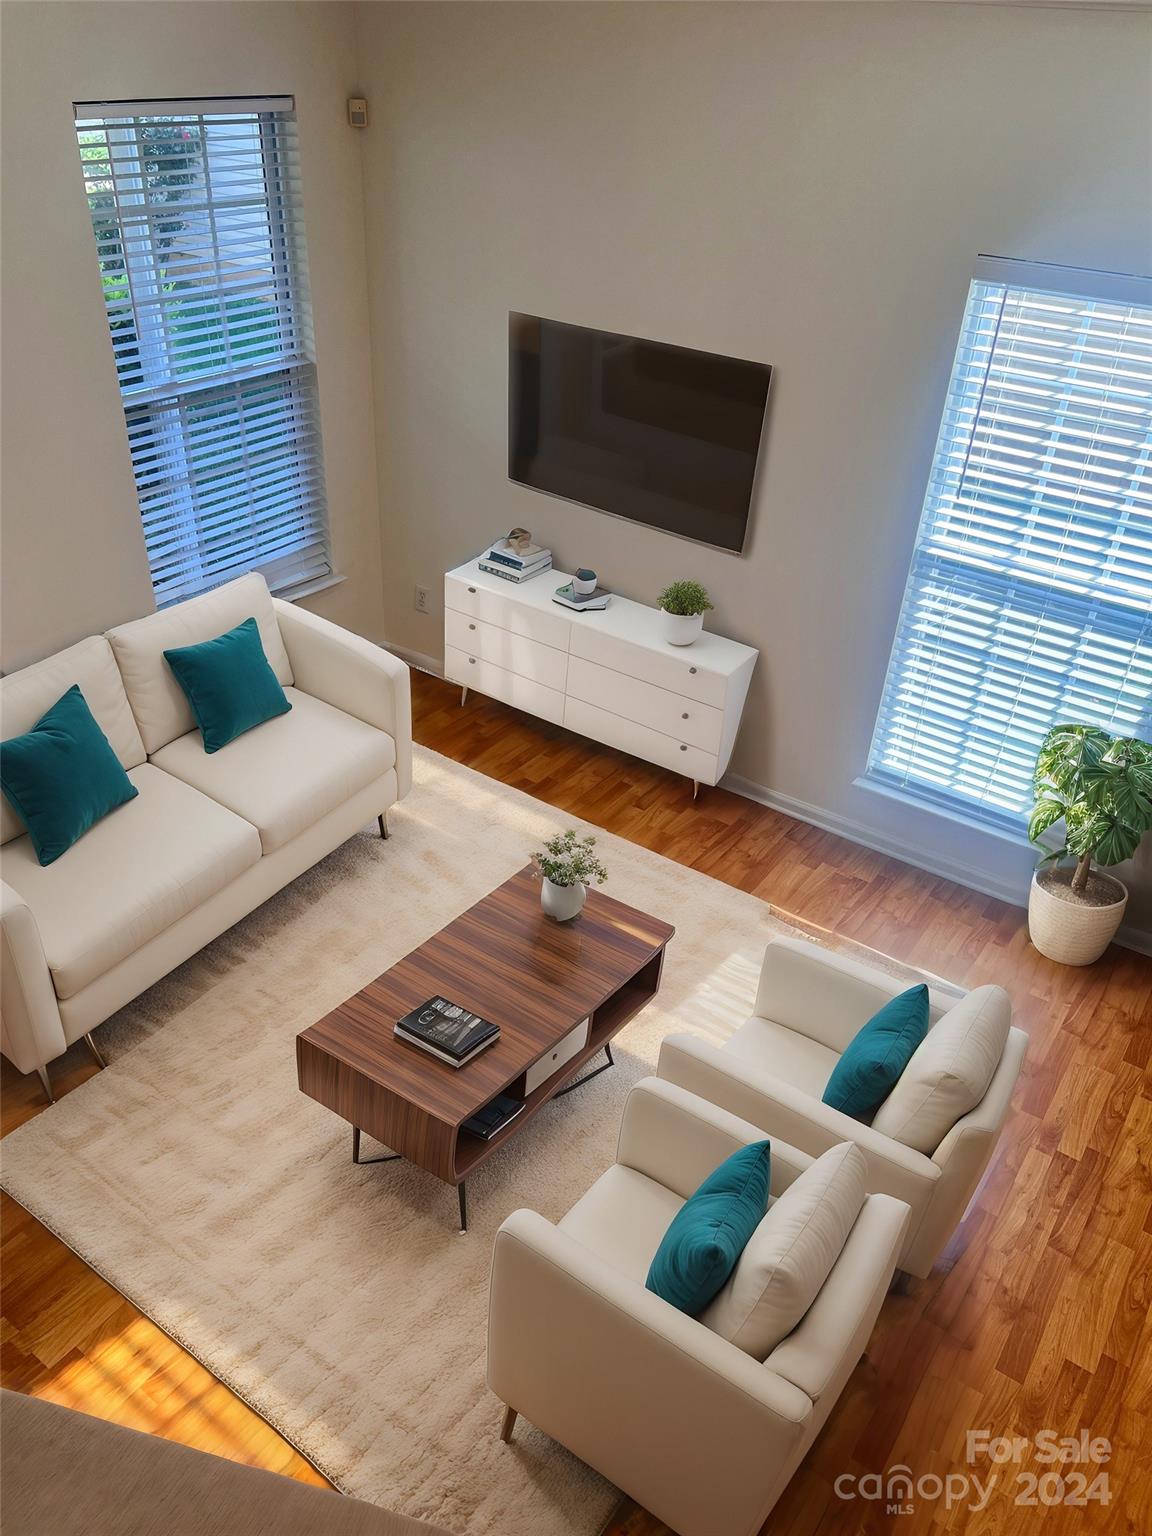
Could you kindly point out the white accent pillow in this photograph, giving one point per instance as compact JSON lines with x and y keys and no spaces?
{"x":791,"y":1253}
{"x":949,"y":1071}
{"x":158,"y":702}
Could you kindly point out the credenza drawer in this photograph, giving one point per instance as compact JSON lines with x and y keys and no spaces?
{"x":499,"y":683}
{"x":685,"y":719}
{"x":515,"y":653}
{"x":677,"y":674}
{"x":562,"y":1053}
{"x":505,"y":612}
{"x":640,"y":740}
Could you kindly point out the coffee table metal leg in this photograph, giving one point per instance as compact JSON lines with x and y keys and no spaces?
{"x":389,"y":1157}
{"x":461,"y":1190}
{"x":588,"y":1076}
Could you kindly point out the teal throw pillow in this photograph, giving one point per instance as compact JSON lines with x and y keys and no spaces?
{"x":228,"y":683}
{"x":711,"y":1229}
{"x":62,"y":776}
{"x":871,"y":1066}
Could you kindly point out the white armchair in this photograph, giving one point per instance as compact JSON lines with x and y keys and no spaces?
{"x":696,"y":1430}
{"x":774,"y":1069}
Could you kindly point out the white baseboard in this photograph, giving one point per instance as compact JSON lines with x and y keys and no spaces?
{"x":416,"y":659}
{"x":973,"y":878}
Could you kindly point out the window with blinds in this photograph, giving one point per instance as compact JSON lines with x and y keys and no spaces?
{"x":199,"y":233}
{"x":1029,"y":601}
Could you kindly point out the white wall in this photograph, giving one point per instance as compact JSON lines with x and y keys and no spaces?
{"x":804,"y":184}
{"x":70,"y":540}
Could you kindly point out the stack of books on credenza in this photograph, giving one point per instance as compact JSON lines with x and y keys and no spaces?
{"x":447,"y":1031}
{"x":515,"y":564}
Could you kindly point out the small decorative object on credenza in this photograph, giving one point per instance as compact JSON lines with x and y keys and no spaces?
{"x":595,"y":600}
{"x":1100,"y":787}
{"x":684,"y":605}
{"x":447,"y":1030}
{"x":516,"y":558}
{"x":584,"y":582}
{"x":567,"y":866}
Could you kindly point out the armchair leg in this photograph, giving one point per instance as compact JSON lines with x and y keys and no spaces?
{"x":382,"y":820}
{"x":42,"y":1074}
{"x":95,"y":1049}
{"x":508,"y":1425}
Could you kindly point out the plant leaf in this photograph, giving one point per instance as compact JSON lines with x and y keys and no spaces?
{"x":1044,"y":814}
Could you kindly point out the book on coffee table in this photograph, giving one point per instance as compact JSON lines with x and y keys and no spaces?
{"x":445,"y":1029}
{"x":495,"y":1115}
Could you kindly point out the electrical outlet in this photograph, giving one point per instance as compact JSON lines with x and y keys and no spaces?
{"x":420,"y":601}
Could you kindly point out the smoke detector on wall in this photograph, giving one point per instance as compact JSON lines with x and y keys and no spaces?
{"x":357,"y":112}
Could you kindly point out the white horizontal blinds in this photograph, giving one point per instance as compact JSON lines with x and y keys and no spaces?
{"x":197,"y":218}
{"x":1029,"y":599}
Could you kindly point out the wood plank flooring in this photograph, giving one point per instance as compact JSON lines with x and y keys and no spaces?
{"x":1039,"y":1318}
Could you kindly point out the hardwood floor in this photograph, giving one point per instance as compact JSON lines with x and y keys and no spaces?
{"x":1038,"y":1319}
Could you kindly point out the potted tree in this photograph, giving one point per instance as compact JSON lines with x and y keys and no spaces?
{"x":567,"y":865}
{"x":1100,"y":786}
{"x":684,"y":605}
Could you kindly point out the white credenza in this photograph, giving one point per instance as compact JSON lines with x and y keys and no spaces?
{"x":610,"y":676}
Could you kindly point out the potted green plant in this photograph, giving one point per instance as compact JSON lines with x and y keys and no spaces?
{"x":567,"y":866}
{"x":684,"y":605}
{"x":1100,"y":786}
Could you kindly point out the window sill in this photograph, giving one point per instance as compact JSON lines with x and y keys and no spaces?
{"x":956,"y":817}
{"x":310,"y":588}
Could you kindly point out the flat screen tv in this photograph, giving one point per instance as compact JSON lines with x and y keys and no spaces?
{"x":663,"y":435}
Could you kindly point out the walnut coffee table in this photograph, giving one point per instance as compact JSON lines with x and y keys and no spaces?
{"x":506,"y":961}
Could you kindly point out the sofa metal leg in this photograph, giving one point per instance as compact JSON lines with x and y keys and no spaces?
{"x":95,"y":1049}
{"x":508,"y":1425}
{"x":42,"y":1074}
{"x":382,"y":821}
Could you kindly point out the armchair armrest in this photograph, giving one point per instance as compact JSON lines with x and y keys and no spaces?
{"x":31,"y":1031}
{"x":351,"y":674}
{"x":697,"y":1431}
{"x":678,"y":1139}
{"x":827,"y":996}
{"x":798,"y":1119}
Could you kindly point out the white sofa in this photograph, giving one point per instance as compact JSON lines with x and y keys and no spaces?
{"x":209,"y":836}
{"x":774,"y":1069}
{"x":696,"y":1430}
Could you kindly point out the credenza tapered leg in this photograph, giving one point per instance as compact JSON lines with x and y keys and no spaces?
{"x":695,"y":788}
{"x":508,"y":1425}
{"x":463,"y":696}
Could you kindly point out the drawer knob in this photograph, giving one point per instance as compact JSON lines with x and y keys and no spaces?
{"x":472,"y":589}
{"x":471,"y":661}
{"x":684,"y":716}
{"x":692,"y":669}
{"x":472,"y":626}
{"x":683,"y":749}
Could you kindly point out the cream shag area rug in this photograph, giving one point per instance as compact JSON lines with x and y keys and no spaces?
{"x":340,"y":1301}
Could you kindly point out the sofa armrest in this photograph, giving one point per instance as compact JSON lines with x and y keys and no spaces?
{"x":31,"y":1031}
{"x":798,"y":1119}
{"x":828,"y":996}
{"x":678,"y":1139}
{"x":690,"y":1426}
{"x":351,"y":674}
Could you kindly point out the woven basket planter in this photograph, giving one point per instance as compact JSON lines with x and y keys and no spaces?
{"x":1069,"y":932}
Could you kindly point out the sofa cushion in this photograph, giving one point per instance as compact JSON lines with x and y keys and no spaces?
{"x":228,"y":684}
{"x":62,"y":776}
{"x":134,"y":875}
{"x":158,"y":703}
{"x":708,"y":1233}
{"x":289,"y":772}
{"x":26,"y":695}
{"x":623,"y":1219}
{"x":877,"y":1054}
{"x":790,"y":1255}
{"x":949,"y":1074}
{"x":787,"y":1054}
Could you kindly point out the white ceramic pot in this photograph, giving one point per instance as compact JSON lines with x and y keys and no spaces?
{"x":562,"y":902}
{"x":682,"y":628}
{"x":1069,"y":932}
{"x":584,"y":582}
